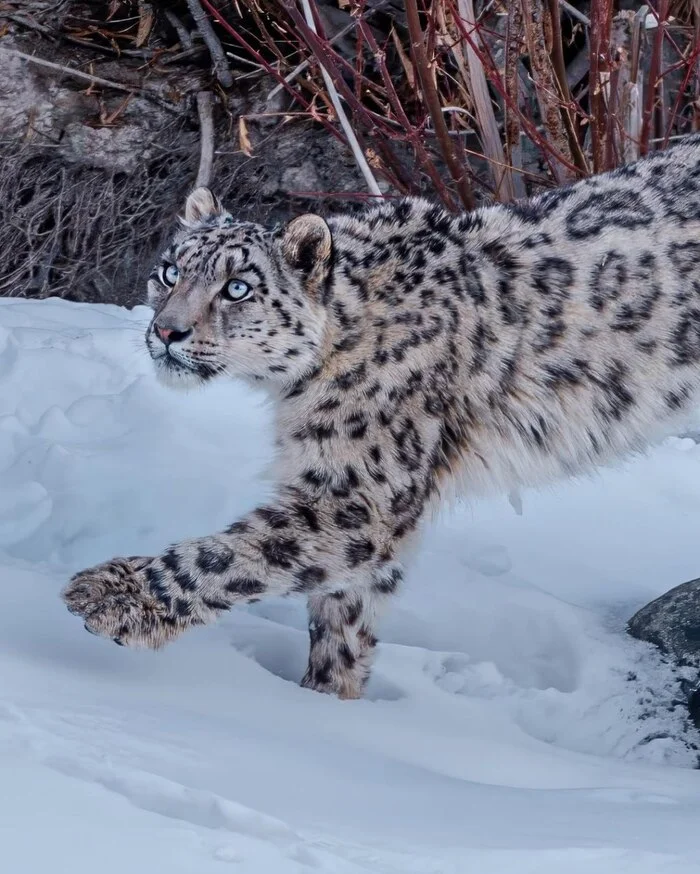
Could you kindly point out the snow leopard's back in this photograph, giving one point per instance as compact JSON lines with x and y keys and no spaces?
{"x":577,"y":327}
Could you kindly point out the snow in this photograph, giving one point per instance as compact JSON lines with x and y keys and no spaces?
{"x":510,"y":725}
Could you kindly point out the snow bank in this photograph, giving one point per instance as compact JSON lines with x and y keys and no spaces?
{"x":510,"y":725}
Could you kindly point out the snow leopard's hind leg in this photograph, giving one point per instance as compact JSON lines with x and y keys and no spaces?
{"x":342,"y":633}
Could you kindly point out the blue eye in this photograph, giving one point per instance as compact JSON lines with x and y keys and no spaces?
{"x":237,"y":290}
{"x":168,"y":274}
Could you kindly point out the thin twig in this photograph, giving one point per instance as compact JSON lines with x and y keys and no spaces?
{"x":412,"y":134}
{"x":325,"y":56}
{"x":690,"y":70}
{"x":269,"y":68}
{"x":299,"y":69}
{"x":651,"y":92}
{"x":574,"y":13}
{"x":364,"y":119}
{"x":206,"y":133}
{"x":610,"y":157}
{"x":55,"y":37}
{"x":559,"y":67}
{"x":69,"y":71}
{"x":338,"y":67}
{"x":599,"y":77}
{"x":30,"y":24}
{"x":144,"y":54}
{"x":150,"y":90}
{"x":342,"y":117}
{"x":181,"y":56}
{"x":636,"y":43}
{"x":432,"y":100}
{"x":182,"y":33}
{"x":218,"y":56}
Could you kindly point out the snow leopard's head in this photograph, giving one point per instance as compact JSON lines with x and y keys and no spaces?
{"x":234,"y":298}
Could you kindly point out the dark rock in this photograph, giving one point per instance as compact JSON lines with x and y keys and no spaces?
{"x":672,"y":622}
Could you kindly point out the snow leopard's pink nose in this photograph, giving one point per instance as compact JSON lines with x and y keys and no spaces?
{"x":170,"y":335}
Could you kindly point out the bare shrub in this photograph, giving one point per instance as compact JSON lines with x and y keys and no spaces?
{"x":466,"y":101}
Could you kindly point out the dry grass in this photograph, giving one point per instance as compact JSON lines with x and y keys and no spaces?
{"x":74,"y":232}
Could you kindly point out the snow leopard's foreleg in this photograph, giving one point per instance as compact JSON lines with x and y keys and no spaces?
{"x":333,"y":549}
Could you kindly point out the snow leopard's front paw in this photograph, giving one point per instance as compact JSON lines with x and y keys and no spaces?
{"x":117,"y":600}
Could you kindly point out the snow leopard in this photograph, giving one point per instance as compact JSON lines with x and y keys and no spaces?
{"x":411,"y":355}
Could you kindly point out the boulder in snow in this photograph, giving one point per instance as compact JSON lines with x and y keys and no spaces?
{"x":672,"y":622}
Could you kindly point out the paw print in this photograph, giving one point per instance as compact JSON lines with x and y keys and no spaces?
{"x":115,"y":600}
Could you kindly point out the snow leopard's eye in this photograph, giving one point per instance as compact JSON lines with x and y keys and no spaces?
{"x":237,"y":290}
{"x":168,"y":274}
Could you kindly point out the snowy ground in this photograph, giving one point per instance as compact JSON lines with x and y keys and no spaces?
{"x":510,"y":727}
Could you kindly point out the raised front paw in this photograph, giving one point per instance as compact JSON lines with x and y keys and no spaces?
{"x":119,"y":600}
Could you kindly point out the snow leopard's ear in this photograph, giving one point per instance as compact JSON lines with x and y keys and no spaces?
{"x":202,"y":207}
{"x":306,"y":245}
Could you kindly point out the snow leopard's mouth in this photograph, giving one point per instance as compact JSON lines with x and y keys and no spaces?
{"x":178,"y":371}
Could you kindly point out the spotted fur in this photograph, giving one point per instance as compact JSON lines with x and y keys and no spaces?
{"x":408,"y":352}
